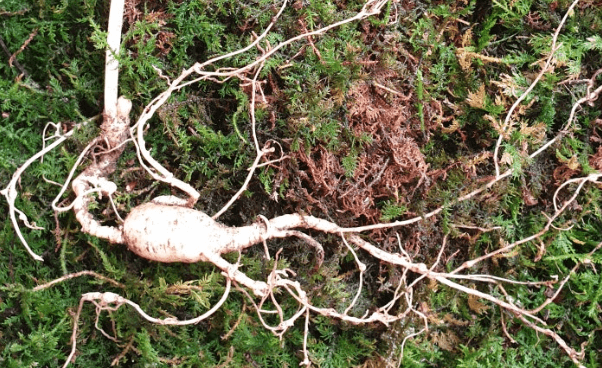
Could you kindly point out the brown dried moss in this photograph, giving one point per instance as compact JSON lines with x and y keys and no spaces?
{"x":391,"y":166}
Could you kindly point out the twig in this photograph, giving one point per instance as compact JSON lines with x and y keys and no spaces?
{"x":240,"y":317}
{"x":16,"y":62}
{"x":18,"y":12}
{"x":390,"y":90}
{"x":504,"y":327}
{"x":125,"y":350}
{"x":482,"y":229}
{"x":13,"y":57}
{"x":78,"y":274}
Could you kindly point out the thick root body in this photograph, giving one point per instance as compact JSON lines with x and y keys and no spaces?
{"x":167,"y":233}
{"x":172,"y":233}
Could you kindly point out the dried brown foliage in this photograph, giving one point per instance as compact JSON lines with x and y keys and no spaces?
{"x":392,"y":165}
{"x":595,"y":160}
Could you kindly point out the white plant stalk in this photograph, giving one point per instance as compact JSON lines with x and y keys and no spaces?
{"x":111,"y":63}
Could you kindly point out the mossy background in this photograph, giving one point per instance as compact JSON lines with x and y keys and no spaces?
{"x":318,"y":107}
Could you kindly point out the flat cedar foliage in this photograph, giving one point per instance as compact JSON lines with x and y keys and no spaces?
{"x":381,"y":120}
